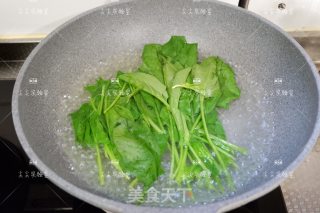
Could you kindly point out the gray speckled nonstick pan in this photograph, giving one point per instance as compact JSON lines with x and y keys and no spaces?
{"x":276,"y":117}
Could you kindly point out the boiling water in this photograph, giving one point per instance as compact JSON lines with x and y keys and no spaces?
{"x":248,"y":123}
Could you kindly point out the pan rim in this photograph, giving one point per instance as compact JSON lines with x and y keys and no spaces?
{"x":115,"y":206}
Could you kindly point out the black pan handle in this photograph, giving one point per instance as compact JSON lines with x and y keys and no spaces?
{"x":243,"y":3}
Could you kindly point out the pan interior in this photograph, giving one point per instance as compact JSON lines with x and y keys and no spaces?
{"x":273,"y":119}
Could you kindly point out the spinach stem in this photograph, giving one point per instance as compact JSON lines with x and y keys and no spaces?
{"x":99,"y":164}
{"x":178,"y":163}
{"x":226,"y":143}
{"x":133,"y":93}
{"x":92,"y":104}
{"x":101,"y":100}
{"x":116,"y":99}
{"x":153,"y":124}
{"x":142,"y":108}
{"x":195,"y":123}
{"x":235,"y":147}
{"x":174,"y":153}
{"x":159,"y":120}
{"x":211,"y":145}
{"x":182,"y":161}
{"x":209,"y":140}
{"x":115,"y":163}
{"x":134,"y":183}
{"x":198,"y":159}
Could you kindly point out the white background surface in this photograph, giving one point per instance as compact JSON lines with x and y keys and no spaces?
{"x":36,"y":18}
{"x":298,"y":15}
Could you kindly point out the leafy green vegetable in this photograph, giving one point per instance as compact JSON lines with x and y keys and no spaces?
{"x":169,"y":104}
{"x":228,"y":84}
{"x":180,"y":51}
{"x":135,"y":158}
{"x":80,"y":119}
{"x":147,"y":83}
{"x":205,"y":79}
{"x":151,"y":63}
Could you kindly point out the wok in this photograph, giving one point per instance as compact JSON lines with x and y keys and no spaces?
{"x":276,"y":118}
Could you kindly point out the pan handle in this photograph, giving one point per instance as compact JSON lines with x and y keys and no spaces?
{"x":243,"y":3}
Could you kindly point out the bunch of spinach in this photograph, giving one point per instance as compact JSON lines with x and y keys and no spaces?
{"x":169,"y":103}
